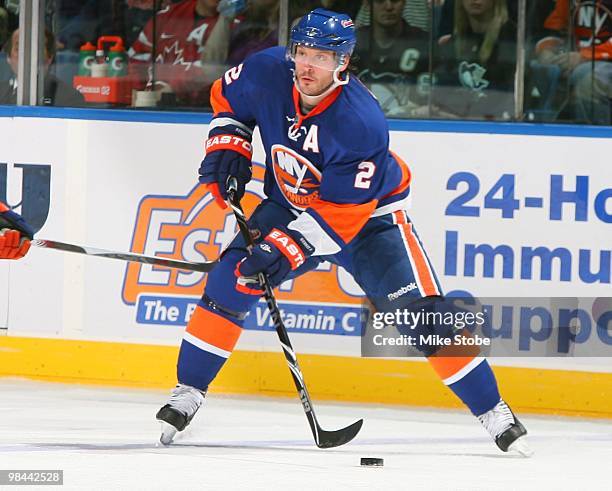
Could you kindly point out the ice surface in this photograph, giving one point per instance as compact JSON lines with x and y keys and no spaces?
{"x":106,"y":439}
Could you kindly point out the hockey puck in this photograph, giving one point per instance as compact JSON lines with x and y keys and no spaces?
{"x":372,"y":462}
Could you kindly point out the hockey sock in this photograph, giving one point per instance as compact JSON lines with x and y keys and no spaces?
{"x":207,"y":343}
{"x":469,"y":376}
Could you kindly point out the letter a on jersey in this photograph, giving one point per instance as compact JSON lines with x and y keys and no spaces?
{"x":311,"y":142}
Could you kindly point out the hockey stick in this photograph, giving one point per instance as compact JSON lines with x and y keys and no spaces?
{"x":124,"y":256}
{"x":323,"y":438}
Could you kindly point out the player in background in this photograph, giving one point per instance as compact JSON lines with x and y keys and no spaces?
{"x":15,"y":234}
{"x":334,"y":192}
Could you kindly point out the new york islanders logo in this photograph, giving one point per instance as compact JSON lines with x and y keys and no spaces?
{"x":593,"y":25}
{"x":297,"y":177}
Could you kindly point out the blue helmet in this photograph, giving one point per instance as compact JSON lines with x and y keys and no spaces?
{"x":324,"y":29}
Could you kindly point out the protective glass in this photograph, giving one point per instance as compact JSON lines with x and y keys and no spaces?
{"x":324,"y":59}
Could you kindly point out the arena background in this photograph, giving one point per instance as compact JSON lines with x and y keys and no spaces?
{"x":126,"y":181}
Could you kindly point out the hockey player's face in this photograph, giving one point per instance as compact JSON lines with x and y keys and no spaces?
{"x":314,"y":69}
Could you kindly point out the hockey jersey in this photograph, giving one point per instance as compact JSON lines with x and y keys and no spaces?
{"x":331,"y":166}
{"x":399,"y":74}
{"x":591,"y":22}
{"x":179,"y":42}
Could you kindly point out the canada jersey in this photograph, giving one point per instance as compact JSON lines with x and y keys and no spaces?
{"x":178,"y":36}
{"x":333,"y":164}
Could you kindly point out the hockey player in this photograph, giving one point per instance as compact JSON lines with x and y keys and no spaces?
{"x":334,"y":192}
{"x":15,"y":234}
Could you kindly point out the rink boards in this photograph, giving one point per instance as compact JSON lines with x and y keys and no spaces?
{"x":501,"y":215}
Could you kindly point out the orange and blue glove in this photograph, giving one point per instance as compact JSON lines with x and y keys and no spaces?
{"x":228,"y":154}
{"x":15,"y":234}
{"x":279,"y":253}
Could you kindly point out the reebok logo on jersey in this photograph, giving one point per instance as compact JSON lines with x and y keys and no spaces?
{"x":402,"y":291}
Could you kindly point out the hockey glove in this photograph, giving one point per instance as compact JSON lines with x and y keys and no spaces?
{"x":15,"y":234}
{"x":227,"y":155}
{"x":281,"y":251}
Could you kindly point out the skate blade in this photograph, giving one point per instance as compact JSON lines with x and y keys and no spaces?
{"x":521,"y":447}
{"x":167,"y":433}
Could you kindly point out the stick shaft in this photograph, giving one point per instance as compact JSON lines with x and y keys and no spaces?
{"x":281,"y":330}
{"x":124,"y":256}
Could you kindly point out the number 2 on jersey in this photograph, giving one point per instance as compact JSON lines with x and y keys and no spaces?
{"x":233,"y":74}
{"x":364,"y":176}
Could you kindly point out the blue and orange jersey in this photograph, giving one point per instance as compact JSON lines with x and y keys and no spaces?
{"x":591,"y":22}
{"x":332,"y":166}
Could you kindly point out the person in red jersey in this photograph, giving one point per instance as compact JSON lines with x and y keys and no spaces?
{"x":168,"y":51}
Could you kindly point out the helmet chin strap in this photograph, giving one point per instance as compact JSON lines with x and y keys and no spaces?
{"x":313,"y":100}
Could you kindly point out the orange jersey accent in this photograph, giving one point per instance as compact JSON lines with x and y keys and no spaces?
{"x":423,"y":272}
{"x":217,"y":100}
{"x":346,"y":220}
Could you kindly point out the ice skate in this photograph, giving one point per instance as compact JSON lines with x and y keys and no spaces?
{"x":507,"y":431}
{"x":177,"y":414}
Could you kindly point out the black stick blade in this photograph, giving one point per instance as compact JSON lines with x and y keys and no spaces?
{"x":330,"y":439}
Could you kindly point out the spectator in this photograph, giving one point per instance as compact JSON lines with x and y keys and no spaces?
{"x":181,"y":34}
{"x":583,"y":56}
{"x":349,"y":7}
{"x":475,"y":67}
{"x":416,"y":12}
{"x":230,"y":42}
{"x":75,"y":22}
{"x":10,"y":17}
{"x":446,"y":11}
{"x":55,"y":92}
{"x":299,"y":8}
{"x":4,"y":25}
{"x":258,"y":31}
{"x":136,"y":16}
{"x":391,"y":59}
